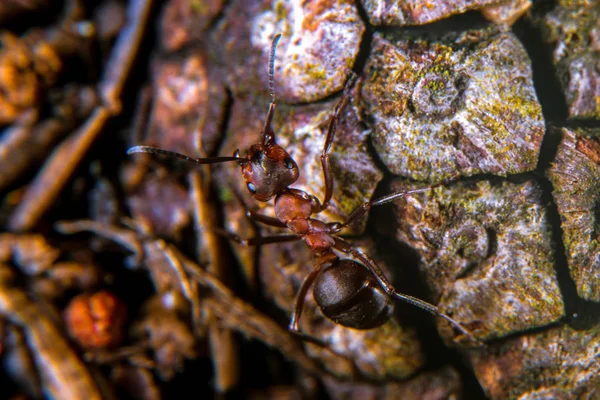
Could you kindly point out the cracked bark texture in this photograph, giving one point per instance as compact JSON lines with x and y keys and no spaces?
{"x":486,"y":254}
{"x":572,"y":29}
{"x":458,"y":104}
{"x":575,"y":176}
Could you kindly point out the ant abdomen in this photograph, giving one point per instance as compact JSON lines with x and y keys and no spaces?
{"x":347,"y":294}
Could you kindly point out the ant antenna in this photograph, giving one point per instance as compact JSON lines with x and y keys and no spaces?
{"x":267,"y":135}
{"x":272,"y":66}
{"x":156,"y":150}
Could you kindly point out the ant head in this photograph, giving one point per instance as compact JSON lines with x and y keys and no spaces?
{"x":268,"y":169}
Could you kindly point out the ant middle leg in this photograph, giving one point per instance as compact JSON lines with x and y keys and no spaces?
{"x":360,"y":212}
{"x":347,"y":248}
{"x":257,"y":240}
{"x":255,"y":217}
{"x":327,"y":174}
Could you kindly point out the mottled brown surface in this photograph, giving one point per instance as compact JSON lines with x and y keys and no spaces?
{"x":317,"y":50}
{"x":558,"y":363}
{"x":486,"y":254}
{"x":573,"y":32}
{"x":161,"y":205}
{"x":575,"y":175}
{"x":459,"y":105}
{"x":441,"y":384}
{"x":418,"y":12}
{"x":167,"y":333}
{"x":184,"y":22}
{"x":12,"y":8}
{"x":28,"y":140}
{"x":431,"y":104}
{"x":506,"y":12}
{"x":189,"y":103}
{"x":29,"y":66}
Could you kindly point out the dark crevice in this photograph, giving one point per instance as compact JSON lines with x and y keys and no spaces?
{"x":596,"y":213}
{"x":219,"y":17}
{"x":545,"y":79}
{"x":492,"y":242}
{"x":579,"y":313}
{"x":407,"y":279}
{"x":224,"y":125}
{"x":548,"y":150}
{"x":365,"y":44}
{"x":459,"y":22}
{"x":469,"y":269}
{"x":582,"y":123}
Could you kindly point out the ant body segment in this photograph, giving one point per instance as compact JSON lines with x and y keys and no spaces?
{"x":354,"y":294}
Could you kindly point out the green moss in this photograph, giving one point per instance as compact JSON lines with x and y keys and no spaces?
{"x":281,"y":13}
{"x":315,"y":71}
{"x":225,"y":194}
{"x":199,"y":7}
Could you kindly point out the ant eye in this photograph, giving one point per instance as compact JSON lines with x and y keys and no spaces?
{"x":251,"y":187}
{"x":289,"y":163}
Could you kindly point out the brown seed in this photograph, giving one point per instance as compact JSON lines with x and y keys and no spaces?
{"x":95,"y":320}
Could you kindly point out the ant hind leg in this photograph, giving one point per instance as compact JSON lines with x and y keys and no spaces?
{"x":347,"y":248}
{"x":299,"y":307}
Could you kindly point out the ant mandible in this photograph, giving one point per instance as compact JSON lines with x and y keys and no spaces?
{"x":351,"y":293}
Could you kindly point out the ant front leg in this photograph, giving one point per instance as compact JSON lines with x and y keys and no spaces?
{"x":347,"y":248}
{"x":327,"y":174}
{"x":265,"y":219}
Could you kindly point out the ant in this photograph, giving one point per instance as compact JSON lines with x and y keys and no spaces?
{"x":351,"y":293}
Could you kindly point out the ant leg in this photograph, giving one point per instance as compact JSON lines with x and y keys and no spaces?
{"x":361,"y":211}
{"x":253,"y":215}
{"x":257,"y":240}
{"x":299,"y":306}
{"x":347,"y":248}
{"x":327,"y":175}
{"x":261,"y":218}
{"x":311,"y":339}
{"x":265,"y":219}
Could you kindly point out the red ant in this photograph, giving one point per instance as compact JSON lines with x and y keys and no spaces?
{"x":347,"y":292}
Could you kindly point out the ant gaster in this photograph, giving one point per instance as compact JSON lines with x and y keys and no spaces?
{"x":352,"y":293}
